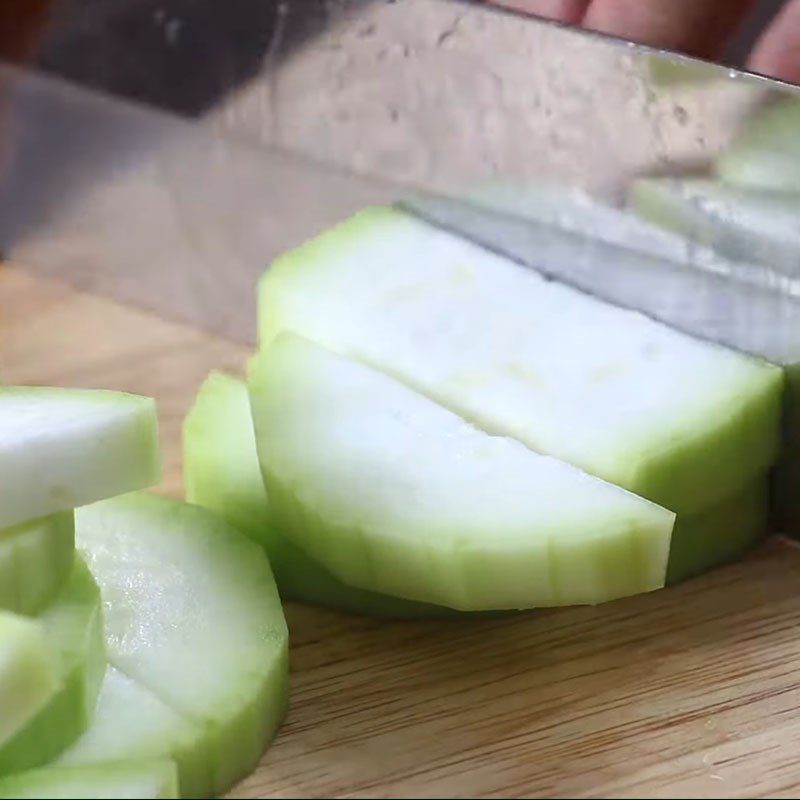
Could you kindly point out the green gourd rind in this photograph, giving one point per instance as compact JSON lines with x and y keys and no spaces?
{"x":720,"y":534}
{"x":140,"y":780}
{"x":28,"y":676}
{"x":36,"y":559}
{"x":164,"y":566}
{"x":64,"y":448}
{"x":221,"y":472}
{"x":524,"y":357}
{"x":393,"y":493}
{"x":73,"y":624}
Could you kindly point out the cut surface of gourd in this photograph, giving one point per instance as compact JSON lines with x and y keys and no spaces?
{"x":28,"y":676}
{"x":749,"y":225}
{"x":126,"y":780}
{"x":36,"y":559}
{"x":64,"y":448}
{"x":766,"y":155}
{"x":165,"y":566}
{"x":682,"y":422}
{"x":131,"y":722}
{"x":221,"y":472}
{"x":73,"y":625}
{"x":395,"y":494}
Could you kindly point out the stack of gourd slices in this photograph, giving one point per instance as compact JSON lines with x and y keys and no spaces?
{"x":440,"y":430}
{"x":749,"y":211}
{"x":99,"y":689}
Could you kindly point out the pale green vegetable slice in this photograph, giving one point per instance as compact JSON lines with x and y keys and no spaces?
{"x":395,"y":494}
{"x":682,"y":422}
{"x":73,"y":625}
{"x":131,"y":722}
{"x":64,"y":448}
{"x":165,"y":566}
{"x":140,"y":780}
{"x":28,"y":675}
{"x":748,"y":225}
{"x":35,"y":561}
{"x":221,"y":472}
{"x":766,"y":154}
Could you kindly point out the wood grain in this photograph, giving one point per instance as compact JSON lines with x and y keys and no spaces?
{"x":689,"y":692}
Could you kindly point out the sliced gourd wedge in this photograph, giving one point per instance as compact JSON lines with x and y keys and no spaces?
{"x":35,"y":561}
{"x":165,"y":566}
{"x":131,"y":722}
{"x":64,"y":448}
{"x":395,"y":494}
{"x":221,"y":472}
{"x":748,"y":225}
{"x":766,"y":155}
{"x":28,"y":676}
{"x":682,"y":422}
{"x":135,"y":780}
{"x":73,"y":625}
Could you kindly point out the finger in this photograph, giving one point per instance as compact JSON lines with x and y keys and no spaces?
{"x":569,"y":11}
{"x":697,"y":27}
{"x":777,"y":52}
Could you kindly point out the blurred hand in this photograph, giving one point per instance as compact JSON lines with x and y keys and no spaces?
{"x":697,"y":27}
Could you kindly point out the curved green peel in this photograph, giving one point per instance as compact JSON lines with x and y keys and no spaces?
{"x":682,"y":422}
{"x":723,"y":533}
{"x":28,"y":676}
{"x":165,"y":566}
{"x":394,"y":494}
{"x":64,"y":448}
{"x":73,"y":625}
{"x":137,"y":780}
{"x":36,"y":559}
{"x":221,"y":472}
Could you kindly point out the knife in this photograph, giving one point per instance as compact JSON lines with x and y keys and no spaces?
{"x":428,"y":103}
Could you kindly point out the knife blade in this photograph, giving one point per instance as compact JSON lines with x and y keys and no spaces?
{"x":426,"y":103}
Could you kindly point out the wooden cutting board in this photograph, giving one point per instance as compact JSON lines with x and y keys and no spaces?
{"x":689,"y":692}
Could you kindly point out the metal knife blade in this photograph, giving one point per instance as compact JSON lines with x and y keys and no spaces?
{"x":426,"y":103}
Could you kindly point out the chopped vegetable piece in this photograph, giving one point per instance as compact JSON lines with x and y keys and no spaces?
{"x":221,"y":472}
{"x":132,"y":723}
{"x":28,"y":676}
{"x":394,"y":494}
{"x":73,"y":625}
{"x":36,"y":559}
{"x":720,"y":534}
{"x":165,"y":566}
{"x":64,"y":448}
{"x":682,"y":422}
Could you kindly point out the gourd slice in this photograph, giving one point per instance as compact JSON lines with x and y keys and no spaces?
{"x":395,"y":494}
{"x":682,"y":422}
